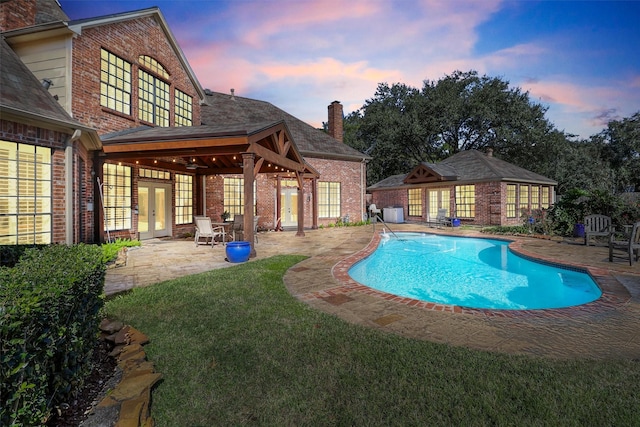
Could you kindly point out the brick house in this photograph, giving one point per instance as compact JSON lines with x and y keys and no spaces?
{"x":475,"y":187}
{"x":140,"y":146}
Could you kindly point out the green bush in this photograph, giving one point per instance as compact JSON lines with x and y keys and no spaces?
{"x":576,"y":204}
{"x":10,"y":254}
{"x":49,"y":315}
{"x":110,"y":250}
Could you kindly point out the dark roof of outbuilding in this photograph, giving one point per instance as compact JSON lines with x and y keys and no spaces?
{"x":464,"y":167}
{"x":225,"y":110}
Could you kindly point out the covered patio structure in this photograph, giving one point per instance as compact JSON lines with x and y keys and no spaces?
{"x":245,"y":148}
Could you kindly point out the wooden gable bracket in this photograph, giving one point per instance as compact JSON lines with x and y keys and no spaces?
{"x":258,"y":165}
{"x":422,"y":174}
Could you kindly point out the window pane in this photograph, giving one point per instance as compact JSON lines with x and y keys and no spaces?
{"x":25,"y":193}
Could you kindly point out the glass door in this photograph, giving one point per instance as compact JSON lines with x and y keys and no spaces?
{"x":289,"y":207}
{"x":154,"y":214}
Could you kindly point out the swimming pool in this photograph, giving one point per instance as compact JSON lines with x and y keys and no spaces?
{"x":470,"y":272}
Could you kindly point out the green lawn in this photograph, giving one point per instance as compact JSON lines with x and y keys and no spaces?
{"x":235,"y":348}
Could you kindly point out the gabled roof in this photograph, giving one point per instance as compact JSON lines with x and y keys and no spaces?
{"x":24,"y":99}
{"x":218,"y":148}
{"x":465,"y":167}
{"x":225,"y":109}
{"x":154,"y":12}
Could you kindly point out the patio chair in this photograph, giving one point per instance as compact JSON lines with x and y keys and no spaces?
{"x":596,"y":226}
{"x":237,"y":228}
{"x":374,"y":211}
{"x":205,"y":230}
{"x":629,"y":243}
{"x":442,"y":219}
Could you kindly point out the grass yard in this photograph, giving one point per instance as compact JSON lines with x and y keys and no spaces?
{"x":235,"y":348}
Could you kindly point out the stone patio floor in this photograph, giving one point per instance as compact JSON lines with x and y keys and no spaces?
{"x":606,"y":329}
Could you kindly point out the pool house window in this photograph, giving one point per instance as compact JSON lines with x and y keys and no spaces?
{"x":25,"y":194}
{"x":465,"y":201}
{"x":328,"y":199}
{"x":116,"y":191}
{"x":153,"y":99}
{"x":511,"y":200}
{"x":415,"y":201}
{"x":524,"y":200}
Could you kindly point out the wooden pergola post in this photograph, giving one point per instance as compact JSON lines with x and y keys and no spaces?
{"x":248,"y":172}
{"x":300,"y":231}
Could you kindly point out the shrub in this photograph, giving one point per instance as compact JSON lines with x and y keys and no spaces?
{"x":110,"y":250}
{"x":49,"y":315}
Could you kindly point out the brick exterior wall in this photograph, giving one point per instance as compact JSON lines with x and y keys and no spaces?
{"x":128,"y":40}
{"x":349,"y":174}
{"x":490,"y":203}
{"x":17,"y":14}
{"x":27,"y":134}
{"x":336,"y":125}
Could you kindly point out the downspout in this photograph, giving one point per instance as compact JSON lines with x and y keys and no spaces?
{"x":68,"y":186}
{"x":363,"y":189}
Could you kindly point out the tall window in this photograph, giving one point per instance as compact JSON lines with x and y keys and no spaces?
{"x":535,"y":197}
{"x":438,"y":199}
{"x":184,"y":199}
{"x":415,"y":201}
{"x":153,"y":99}
{"x":544,"y":199}
{"x":524,"y":199}
{"x":183,"y":109}
{"x":328,"y":199}
{"x":511,"y":200}
{"x":116,"y":192}
{"x":466,"y":201}
{"x":25,"y":194}
{"x":234,"y":196}
{"x":115,"y":82}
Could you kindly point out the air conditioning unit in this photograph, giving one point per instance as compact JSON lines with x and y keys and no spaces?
{"x":393,"y":215}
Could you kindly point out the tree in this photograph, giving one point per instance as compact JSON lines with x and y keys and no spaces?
{"x":620,"y":144}
{"x":402,"y":126}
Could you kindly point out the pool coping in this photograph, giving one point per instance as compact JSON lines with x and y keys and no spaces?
{"x":614,"y":294}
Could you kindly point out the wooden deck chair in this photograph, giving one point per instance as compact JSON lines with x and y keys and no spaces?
{"x":596,"y":226}
{"x":629,"y":243}
{"x":205,"y":230}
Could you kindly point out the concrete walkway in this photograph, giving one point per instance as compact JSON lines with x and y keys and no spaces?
{"x":608,"y":328}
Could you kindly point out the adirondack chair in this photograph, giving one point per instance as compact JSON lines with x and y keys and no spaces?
{"x":596,"y":226}
{"x":629,"y":243}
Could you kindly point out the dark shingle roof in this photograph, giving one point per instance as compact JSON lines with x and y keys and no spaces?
{"x":22,"y":93}
{"x":466,"y":167}
{"x":225,"y":109}
{"x":473,"y":165}
{"x":49,"y":11}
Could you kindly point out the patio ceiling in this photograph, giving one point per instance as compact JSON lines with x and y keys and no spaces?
{"x":209,"y":150}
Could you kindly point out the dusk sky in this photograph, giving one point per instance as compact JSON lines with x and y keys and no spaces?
{"x":579,"y":58}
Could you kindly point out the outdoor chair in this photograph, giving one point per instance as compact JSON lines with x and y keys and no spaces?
{"x":442,"y":219}
{"x":205,"y":230}
{"x":596,"y":226}
{"x":237,"y":228}
{"x":374,"y":211}
{"x":630,"y":243}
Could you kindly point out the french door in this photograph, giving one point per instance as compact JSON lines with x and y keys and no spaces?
{"x":154,"y":210}
{"x":289,"y":207}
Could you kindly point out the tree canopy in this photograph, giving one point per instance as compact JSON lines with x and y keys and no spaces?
{"x":402,"y":126}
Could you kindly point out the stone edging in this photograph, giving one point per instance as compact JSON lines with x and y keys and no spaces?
{"x":127,"y":403}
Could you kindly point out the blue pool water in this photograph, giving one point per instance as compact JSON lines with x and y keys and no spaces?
{"x":470,"y":272}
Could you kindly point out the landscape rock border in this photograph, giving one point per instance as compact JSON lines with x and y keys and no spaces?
{"x":125,"y":401}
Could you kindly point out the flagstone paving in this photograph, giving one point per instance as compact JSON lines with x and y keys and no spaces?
{"x":609,"y":328}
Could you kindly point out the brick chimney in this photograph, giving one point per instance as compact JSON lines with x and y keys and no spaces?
{"x":336,"y":128}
